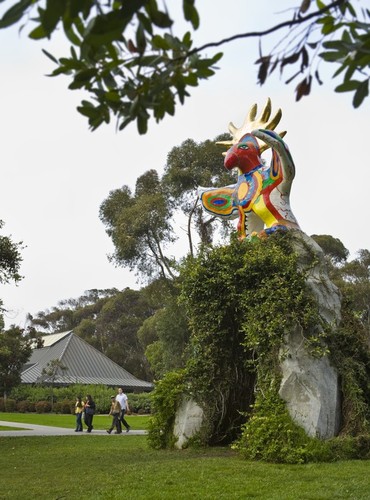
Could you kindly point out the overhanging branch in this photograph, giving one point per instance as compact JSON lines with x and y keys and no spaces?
{"x":286,"y":24}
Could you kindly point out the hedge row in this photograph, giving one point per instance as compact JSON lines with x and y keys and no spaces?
{"x":39,"y":399}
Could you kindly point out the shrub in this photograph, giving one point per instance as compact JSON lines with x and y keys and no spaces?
{"x":43,"y":407}
{"x":140,"y":403}
{"x":66,"y":407}
{"x":25,"y":406}
{"x":270,"y":434}
{"x":8,"y":404}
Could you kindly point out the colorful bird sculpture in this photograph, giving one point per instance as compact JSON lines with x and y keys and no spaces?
{"x":260,"y":197}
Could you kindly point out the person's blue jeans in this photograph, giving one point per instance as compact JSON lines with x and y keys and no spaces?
{"x":78,"y":422}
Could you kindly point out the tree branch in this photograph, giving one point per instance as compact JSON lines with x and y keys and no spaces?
{"x":285,"y":24}
{"x":189,"y":227}
{"x":157,"y":259}
{"x":161,"y":260}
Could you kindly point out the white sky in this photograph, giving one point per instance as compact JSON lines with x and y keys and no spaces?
{"x":56,"y":173}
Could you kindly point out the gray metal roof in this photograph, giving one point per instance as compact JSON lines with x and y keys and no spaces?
{"x":85,"y":364}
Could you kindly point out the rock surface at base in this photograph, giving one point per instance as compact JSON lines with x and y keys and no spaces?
{"x":310,"y":385}
{"x":189,"y":418}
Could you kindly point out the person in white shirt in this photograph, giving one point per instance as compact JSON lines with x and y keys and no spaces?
{"x":123,"y":401}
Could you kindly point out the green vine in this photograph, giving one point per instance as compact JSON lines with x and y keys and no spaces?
{"x":241,"y":301}
{"x":165,"y":401}
{"x":270,"y":434}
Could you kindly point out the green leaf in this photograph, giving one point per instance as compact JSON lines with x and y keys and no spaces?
{"x":191,"y":13}
{"x":360,"y":94}
{"x":15,"y":13}
{"x":161,"y":19}
{"x":71,"y":35}
{"x":331,"y":56}
{"x":338,"y":45}
{"x":125,"y":122}
{"x":106,"y":28}
{"x":348,"y":86}
{"x":82,"y":78}
{"x":140,"y":39}
{"x":52,"y":14}
{"x":113,"y":96}
{"x":339,"y":70}
{"x":109,"y":80}
{"x":142,"y":124}
{"x":350,"y":71}
{"x":158,"y":42}
{"x":50,"y":56}
{"x":217,"y":57}
{"x":38,"y":33}
{"x":186,"y":40}
{"x":145,"y":22}
{"x":87,"y":110}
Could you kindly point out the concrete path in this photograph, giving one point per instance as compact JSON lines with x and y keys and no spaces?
{"x":44,"y":430}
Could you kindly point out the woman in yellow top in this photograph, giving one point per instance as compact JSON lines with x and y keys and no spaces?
{"x":79,"y":409}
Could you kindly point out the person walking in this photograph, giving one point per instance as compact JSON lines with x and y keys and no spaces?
{"x":89,"y":412}
{"x":115,"y":411}
{"x":123,"y":401}
{"x":79,"y":409}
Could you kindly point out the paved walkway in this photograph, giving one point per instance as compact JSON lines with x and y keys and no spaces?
{"x":44,"y":430}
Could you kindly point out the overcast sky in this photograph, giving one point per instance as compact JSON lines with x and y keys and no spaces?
{"x":56,"y":173}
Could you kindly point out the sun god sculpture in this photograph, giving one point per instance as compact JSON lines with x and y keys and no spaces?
{"x":260,"y":197}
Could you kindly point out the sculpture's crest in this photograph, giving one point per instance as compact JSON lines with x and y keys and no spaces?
{"x":260,"y":198}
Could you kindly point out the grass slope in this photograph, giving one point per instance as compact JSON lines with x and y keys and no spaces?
{"x":102,"y":467}
{"x":64,"y":467}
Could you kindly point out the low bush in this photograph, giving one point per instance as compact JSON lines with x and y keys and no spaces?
{"x":8,"y":404}
{"x":43,"y":407}
{"x":26,"y":397}
{"x":25,"y":406}
{"x":66,"y":407}
{"x":140,"y":403}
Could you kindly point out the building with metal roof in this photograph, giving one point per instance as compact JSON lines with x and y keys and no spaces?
{"x":84,"y":365}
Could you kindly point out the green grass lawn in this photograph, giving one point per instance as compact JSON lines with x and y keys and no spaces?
{"x":8,"y":428}
{"x":56,"y":420}
{"x":63,"y":467}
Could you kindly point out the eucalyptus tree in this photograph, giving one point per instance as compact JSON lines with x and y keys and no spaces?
{"x":190,"y":166}
{"x":70,"y":313}
{"x":139,"y":225}
{"x":117,"y":326}
{"x":165,"y":334}
{"x":106,"y":319}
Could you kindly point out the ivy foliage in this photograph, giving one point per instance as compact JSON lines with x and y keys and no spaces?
{"x":270,"y":434}
{"x":165,"y":400}
{"x":240,"y":301}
